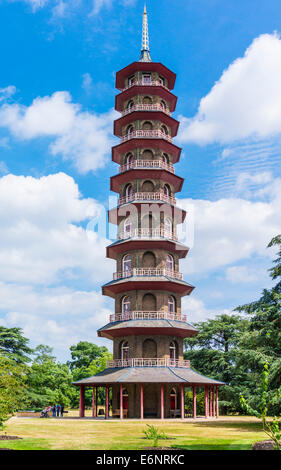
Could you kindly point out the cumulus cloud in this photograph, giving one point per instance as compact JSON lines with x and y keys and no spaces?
{"x":245,"y":102}
{"x":229,"y":230}
{"x":42,"y":240}
{"x":82,"y":137}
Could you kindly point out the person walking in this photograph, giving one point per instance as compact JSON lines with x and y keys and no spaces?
{"x":54,"y":410}
{"x":61,"y":410}
{"x":58,"y":410}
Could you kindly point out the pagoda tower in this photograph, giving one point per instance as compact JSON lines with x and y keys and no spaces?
{"x":148,"y":374}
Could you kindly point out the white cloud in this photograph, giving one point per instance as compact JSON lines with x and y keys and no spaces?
{"x":82,"y":137}
{"x":196,"y":310}
{"x":7,"y":92}
{"x":40,"y":239}
{"x":87,"y":83}
{"x":245,"y":102}
{"x":244,"y":274}
{"x":233,"y":229}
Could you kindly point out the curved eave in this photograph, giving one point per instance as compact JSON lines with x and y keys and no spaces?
{"x":152,"y":283}
{"x":132,"y":144}
{"x":170,"y":375}
{"x":144,"y":67}
{"x":122,"y":246}
{"x":144,"y":173}
{"x":152,"y":90}
{"x":116,"y":214}
{"x":147,"y":327}
{"x":172,"y":123}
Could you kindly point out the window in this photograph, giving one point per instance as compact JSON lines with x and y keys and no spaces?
{"x":164,"y":130}
{"x":173,"y":351}
{"x":125,"y":351}
{"x":129,"y":192}
{"x":129,"y":160}
{"x":126,"y":304}
{"x":126,"y":264}
{"x":130,"y":104}
{"x":163,"y":104}
{"x":127,"y":228}
{"x":171,"y":304}
{"x":131,"y":80}
{"x":162,"y":81}
{"x":170,"y":263}
{"x":130,"y":129}
{"x":167,"y":190}
{"x":165,"y":158}
{"x":146,"y":78}
{"x":168,"y":227}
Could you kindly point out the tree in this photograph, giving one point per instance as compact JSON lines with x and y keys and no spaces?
{"x":14,"y":346}
{"x":12,"y":389}
{"x":84,"y":353}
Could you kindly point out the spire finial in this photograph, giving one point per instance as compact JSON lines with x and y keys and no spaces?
{"x":145,"y":53}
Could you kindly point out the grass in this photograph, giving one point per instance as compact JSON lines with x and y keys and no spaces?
{"x":225,"y":433}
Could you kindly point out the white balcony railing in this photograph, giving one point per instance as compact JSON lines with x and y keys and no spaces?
{"x":147,"y":272}
{"x":145,"y":83}
{"x":147,"y":233}
{"x":149,"y":134}
{"x":140,"y":362}
{"x":146,"y":107}
{"x":147,"y":316}
{"x":152,"y":197}
{"x":140,"y":164}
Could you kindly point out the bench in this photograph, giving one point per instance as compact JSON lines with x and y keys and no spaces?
{"x":175,"y":413}
{"x":116,"y":413}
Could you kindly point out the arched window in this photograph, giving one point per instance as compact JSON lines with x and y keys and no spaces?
{"x":164,"y":130}
{"x":147,"y":126}
{"x":130,"y":104}
{"x":146,"y":78}
{"x":126,"y":264}
{"x":168,"y":226}
{"x":125,"y":351}
{"x":163,"y":104}
{"x":165,"y":158}
{"x":129,"y":159}
{"x":127,"y":228}
{"x":147,"y":100}
{"x":173,"y":351}
{"x":171,"y":304}
{"x":126,"y":304}
{"x":170,"y":263}
{"x":147,"y":187}
{"x":131,"y":80}
{"x":130,"y":129}
{"x":167,"y":190}
{"x":129,"y":192}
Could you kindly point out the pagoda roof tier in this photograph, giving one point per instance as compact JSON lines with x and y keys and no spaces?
{"x":161,"y":282}
{"x":143,"y":173}
{"x":171,"y":375}
{"x":147,"y":143}
{"x":146,"y":115}
{"x":141,"y":89}
{"x":130,"y":244}
{"x":147,"y":327}
{"x":116,"y":214}
{"x":144,"y":67}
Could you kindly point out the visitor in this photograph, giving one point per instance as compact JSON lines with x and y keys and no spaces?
{"x":58,"y":410}
{"x":54,"y":410}
{"x":61,"y":410}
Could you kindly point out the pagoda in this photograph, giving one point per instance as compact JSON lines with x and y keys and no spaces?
{"x":148,"y":375}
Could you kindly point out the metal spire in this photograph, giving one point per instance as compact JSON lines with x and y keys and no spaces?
{"x":145,"y":53}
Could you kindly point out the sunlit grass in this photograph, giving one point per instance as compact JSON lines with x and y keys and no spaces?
{"x":228,"y":433}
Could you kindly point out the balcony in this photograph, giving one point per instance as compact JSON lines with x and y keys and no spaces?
{"x":140,"y":362}
{"x":151,"y":134}
{"x":144,"y":164}
{"x":146,"y":107}
{"x":148,"y":233}
{"x":147,"y":197}
{"x":117,"y":317}
{"x":145,"y":83}
{"x":147,"y":272}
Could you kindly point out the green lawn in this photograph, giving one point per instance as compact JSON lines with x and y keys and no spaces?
{"x":225,"y":433}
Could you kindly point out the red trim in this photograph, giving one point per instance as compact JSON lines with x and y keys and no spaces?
{"x":206,"y":402}
{"x":126,"y":285}
{"x":93,"y":403}
{"x":152,"y":90}
{"x":182,"y":401}
{"x":194,"y":401}
{"x":144,"y":67}
{"x":162,"y":401}
{"x":132,"y":144}
{"x":130,"y":331}
{"x":121,"y":401}
{"x":172,"y":123}
{"x":107,"y":402}
{"x":141,"y":401}
{"x":82,"y":402}
{"x":161,"y":174}
{"x":113,"y":251}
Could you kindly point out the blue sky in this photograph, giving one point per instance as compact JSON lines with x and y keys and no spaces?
{"x":58,"y":62}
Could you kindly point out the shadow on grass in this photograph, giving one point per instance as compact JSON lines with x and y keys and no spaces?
{"x":241,"y":425}
{"x":224,"y":446}
{"x":26,"y":444}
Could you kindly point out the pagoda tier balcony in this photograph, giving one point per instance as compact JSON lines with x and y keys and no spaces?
{"x":156,"y":115}
{"x":152,"y":134}
{"x":149,"y":164}
{"x":147,"y":362}
{"x":146,"y":107}
{"x":147,"y":197}
{"x":117,"y":214}
{"x":139,"y":172}
{"x":138,"y":143}
{"x":145,"y":233}
{"x":136,"y":67}
{"x":146,"y":83}
{"x":140,"y":88}
{"x":120,"y":317}
{"x":148,"y":272}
